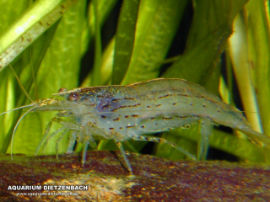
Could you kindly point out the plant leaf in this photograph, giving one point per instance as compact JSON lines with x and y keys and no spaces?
{"x":124,"y":39}
{"x":157,"y":24}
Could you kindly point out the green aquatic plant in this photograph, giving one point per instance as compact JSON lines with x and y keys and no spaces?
{"x":44,"y":46}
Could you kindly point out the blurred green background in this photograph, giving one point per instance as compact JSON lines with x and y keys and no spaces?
{"x":223,"y":45}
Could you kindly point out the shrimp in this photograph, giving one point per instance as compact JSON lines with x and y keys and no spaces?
{"x":128,"y":112}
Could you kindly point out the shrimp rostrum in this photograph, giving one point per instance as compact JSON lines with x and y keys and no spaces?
{"x":129,"y":112}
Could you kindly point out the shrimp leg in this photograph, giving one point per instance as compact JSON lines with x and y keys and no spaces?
{"x":84,"y":152}
{"x":123,"y":154}
{"x":206,"y":129}
{"x":72,"y":141}
{"x":48,"y":136}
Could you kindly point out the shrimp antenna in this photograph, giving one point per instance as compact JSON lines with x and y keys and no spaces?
{"x":17,"y":124}
{"x":15,"y":109}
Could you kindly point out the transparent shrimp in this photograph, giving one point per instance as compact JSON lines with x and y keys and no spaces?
{"x":129,"y":112}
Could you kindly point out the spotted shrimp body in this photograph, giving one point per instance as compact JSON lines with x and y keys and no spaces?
{"x":149,"y":107}
{"x":129,"y":112}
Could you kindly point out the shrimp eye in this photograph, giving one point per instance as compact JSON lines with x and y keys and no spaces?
{"x":61,"y":90}
{"x":73,"y":96}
